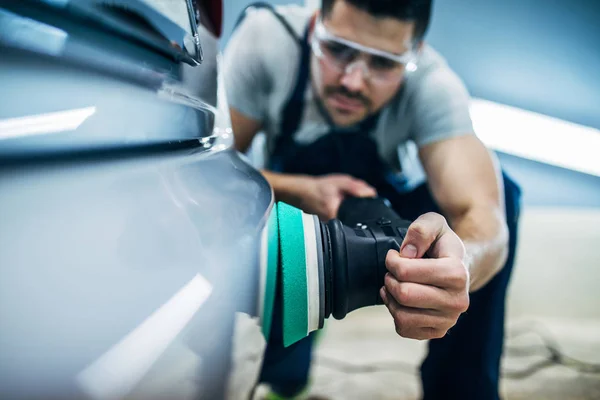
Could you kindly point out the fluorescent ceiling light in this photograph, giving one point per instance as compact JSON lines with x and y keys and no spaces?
{"x":42,"y":124}
{"x":537,"y":137}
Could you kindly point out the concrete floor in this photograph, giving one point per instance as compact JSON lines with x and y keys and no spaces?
{"x":367,"y":338}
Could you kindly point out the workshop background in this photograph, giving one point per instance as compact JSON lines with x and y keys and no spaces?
{"x":541,"y":58}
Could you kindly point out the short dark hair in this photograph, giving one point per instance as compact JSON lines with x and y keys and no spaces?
{"x":418,"y":11}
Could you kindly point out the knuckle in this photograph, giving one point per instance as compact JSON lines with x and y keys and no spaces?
{"x":401,"y":320}
{"x":438,"y":333}
{"x":466,"y":302}
{"x":437,"y":217}
{"x":432,"y":333}
{"x":347,"y":179}
{"x":402,"y":273}
{"x":332,"y":183}
{"x":420,"y":231}
{"x":422,"y":334}
{"x":460,"y":304}
{"x":405,"y":333}
{"x":395,"y":266}
{"x":454,"y":281}
{"x":355,"y":182}
{"x":391,"y":258}
{"x":456,"y":305}
{"x":402,"y":324}
{"x":415,"y":335}
{"x":389,"y":282}
{"x":404,"y":294}
{"x":459,"y":276}
{"x":399,"y":329}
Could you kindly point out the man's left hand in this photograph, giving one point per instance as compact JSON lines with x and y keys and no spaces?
{"x":427,"y":295}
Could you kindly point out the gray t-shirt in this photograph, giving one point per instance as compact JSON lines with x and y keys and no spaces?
{"x":260,"y":70}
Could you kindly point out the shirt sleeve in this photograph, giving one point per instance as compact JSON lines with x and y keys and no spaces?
{"x":246,"y":78}
{"x":439,"y":107}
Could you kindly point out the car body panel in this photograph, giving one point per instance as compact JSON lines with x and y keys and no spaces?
{"x":130,"y":232}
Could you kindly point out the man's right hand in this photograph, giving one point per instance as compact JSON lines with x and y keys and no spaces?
{"x":318,"y":195}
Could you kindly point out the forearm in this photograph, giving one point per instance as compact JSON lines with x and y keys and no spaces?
{"x":485,"y":235}
{"x":287,"y":187}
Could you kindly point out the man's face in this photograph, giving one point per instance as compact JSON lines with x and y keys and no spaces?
{"x":350,"y":96}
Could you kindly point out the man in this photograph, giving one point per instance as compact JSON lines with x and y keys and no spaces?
{"x":338,"y":93}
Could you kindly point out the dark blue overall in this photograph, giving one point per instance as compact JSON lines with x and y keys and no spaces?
{"x":462,"y":365}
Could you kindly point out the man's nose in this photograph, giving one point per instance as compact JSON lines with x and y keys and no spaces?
{"x":355,"y":74}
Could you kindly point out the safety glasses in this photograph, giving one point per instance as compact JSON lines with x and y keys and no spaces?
{"x":344,"y":55}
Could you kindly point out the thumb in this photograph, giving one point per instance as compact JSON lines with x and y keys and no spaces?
{"x":431,"y":233}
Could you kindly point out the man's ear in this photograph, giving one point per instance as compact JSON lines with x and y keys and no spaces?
{"x":313,"y":20}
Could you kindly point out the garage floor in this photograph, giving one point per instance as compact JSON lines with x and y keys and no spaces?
{"x":361,"y":357}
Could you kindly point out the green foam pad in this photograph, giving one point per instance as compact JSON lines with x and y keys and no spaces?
{"x":272,"y":267}
{"x":293,"y":274}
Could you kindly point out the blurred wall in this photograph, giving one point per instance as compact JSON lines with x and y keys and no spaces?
{"x":539,"y":55}
{"x":547,"y":185}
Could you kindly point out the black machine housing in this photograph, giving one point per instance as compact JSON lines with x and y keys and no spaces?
{"x":355,"y":246}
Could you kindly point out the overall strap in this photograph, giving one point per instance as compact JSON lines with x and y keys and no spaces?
{"x":293,"y":109}
{"x":271,"y":8}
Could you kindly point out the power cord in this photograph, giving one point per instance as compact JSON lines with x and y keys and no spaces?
{"x":549,"y":349}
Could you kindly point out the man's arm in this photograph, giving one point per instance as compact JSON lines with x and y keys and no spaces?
{"x":465,"y":181}
{"x":317,"y":195}
{"x":244,"y":129}
{"x":427,"y":295}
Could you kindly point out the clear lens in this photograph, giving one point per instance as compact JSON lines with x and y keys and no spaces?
{"x":382,"y":64}
{"x":385,"y":70}
{"x":340,"y":54}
